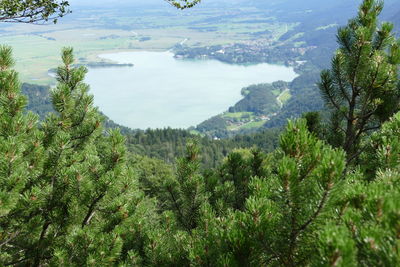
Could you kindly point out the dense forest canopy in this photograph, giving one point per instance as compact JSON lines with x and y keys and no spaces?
{"x":328,"y":195}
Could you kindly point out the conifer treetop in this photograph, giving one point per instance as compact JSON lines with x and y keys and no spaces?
{"x":361,"y":88}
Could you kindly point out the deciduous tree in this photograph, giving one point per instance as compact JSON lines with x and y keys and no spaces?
{"x":42,"y":11}
{"x":183,"y":4}
{"x":33,"y":11}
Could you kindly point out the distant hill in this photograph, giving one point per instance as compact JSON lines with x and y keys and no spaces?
{"x":319,"y":20}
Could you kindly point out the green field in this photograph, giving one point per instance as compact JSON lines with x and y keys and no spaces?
{"x":92,"y":32}
{"x":285,"y":96}
{"x":253,"y":124}
{"x":248,"y":125}
{"x":237,"y":115}
{"x":43,"y":54}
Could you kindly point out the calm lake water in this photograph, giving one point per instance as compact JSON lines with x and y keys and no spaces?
{"x":161,"y":91}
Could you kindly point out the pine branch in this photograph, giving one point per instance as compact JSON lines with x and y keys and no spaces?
{"x":177,"y":206}
{"x":330,"y":98}
{"x":372,"y":128}
{"x":39,"y":248}
{"x":337,"y":68}
{"x":80,"y":121}
{"x":268,"y":261}
{"x":75,"y":138}
{"x":92,"y":206}
{"x":313,"y":217}
{"x":354,"y":156}
{"x":268,"y":248}
{"x":309,"y":170}
{"x":13,"y":236}
{"x":90,"y":212}
{"x":13,"y":263}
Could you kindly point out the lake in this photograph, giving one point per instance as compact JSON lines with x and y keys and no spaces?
{"x":161,"y":91}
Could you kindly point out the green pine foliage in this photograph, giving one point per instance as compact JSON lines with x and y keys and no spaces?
{"x":77,"y":194}
{"x":231,"y":181}
{"x":186,"y":191}
{"x":285,"y":208}
{"x":365,"y":228}
{"x":71,"y":194}
{"x":21,"y":156}
{"x":382,"y":149}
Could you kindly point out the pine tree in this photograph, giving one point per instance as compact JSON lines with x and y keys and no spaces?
{"x":230,"y":184}
{"x":83,"y":195}
{"x":99,"y":193}
{"x":362,"y":87}
{"x":314,"y":123}
{"x":287,"y":209}
{"x":365,"y":229}
{"x":238,"y":172}
{"x":283,"y":212}
{"x":186,"y":192}
{"x":180,"y":198}
{"x":68,"y":197}
{"x":21,"y":153}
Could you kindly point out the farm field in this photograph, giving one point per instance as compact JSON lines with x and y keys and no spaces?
{"x":96,"y":31}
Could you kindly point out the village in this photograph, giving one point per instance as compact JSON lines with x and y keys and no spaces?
{"x":249,"y":52}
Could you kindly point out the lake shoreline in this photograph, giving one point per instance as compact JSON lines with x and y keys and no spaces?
{"x":187,"y":91}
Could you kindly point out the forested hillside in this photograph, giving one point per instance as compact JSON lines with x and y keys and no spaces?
{"x":38,"y":99}
{"x":315,"y":33}
{"x":164,"y":144}
{"x":169,"y":144}
{"x":263,"y":106}
{"x":72,"y":194}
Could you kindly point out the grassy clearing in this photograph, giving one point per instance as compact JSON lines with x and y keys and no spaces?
{"x":285,"y":96}
{"x":253,"y":124}
{"x":195,"y":132}
{"x":237,"y":115}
